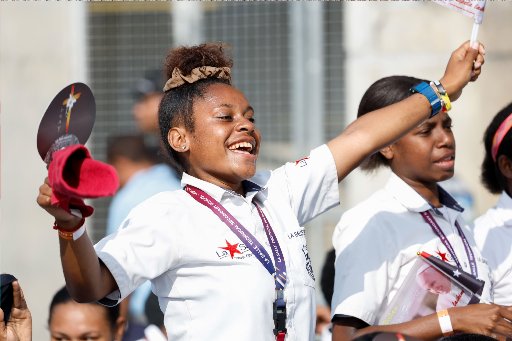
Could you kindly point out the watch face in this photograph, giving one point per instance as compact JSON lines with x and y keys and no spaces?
{"x":71,"y":113}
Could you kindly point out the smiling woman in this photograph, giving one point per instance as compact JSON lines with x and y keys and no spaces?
{"x":226,"y":255}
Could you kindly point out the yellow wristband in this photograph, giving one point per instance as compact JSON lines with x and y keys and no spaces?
{"x":447,"y":105}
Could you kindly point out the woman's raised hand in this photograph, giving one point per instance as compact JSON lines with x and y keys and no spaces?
{"x":62,"y":217}
{"x":465,"y":65}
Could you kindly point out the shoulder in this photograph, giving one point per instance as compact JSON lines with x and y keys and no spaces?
{"x":367,"y":218}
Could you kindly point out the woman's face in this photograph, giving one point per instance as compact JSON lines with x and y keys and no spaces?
{"x":426,"y":155}
{"x":73,"y":321}
{"x":224,"y":146}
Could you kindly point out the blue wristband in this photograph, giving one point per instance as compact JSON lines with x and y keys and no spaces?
{"x":426,"y":90}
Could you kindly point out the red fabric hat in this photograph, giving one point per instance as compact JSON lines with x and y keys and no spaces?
{"x":74,"y":175}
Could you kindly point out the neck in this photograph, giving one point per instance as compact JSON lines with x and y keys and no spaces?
{"x":428,"y":191}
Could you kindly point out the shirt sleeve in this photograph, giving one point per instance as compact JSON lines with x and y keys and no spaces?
{"x":312,"y":183}
{"x":361,"y":268}
{"x":145,"y":247}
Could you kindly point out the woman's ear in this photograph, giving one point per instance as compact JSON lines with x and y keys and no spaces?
{"x":505,"y":166}
{"x":387,"y":152}
{"x":119,"y":328}
{"x":178,"y":139}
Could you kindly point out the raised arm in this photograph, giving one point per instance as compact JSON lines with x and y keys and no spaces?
{"x":382,"y":127}
{"x":87,"y":278}
{"x":484,"y":319}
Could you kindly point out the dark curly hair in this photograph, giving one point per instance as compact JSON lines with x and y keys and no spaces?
{"x":491,"y":176}
{"x":384,"y":92}
{"x":177,"y":103}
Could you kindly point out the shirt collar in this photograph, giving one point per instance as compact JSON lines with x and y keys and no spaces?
{"x":411,"y":200}
{"x":504,"y":208}
{"x":251,"y":188}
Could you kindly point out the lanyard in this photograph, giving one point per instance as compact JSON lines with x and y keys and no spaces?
{"x":278,"y":271}
{"x":427,"y":216}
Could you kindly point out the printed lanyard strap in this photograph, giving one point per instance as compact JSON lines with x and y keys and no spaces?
{"x":278,"y":272}
{"x":429,"y":219}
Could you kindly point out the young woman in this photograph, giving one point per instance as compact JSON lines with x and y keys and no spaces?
{"x":70,"y":321}
{"x":227,"y":255}
{"x":493,"y":233}
{"x":377,"y":242}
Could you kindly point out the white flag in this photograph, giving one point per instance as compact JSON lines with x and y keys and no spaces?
{"x":471,"y":8}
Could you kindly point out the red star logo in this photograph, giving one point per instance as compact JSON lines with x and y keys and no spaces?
{"x":442,"y":255}
{"x":232,"y":248}
{"x":300,"y":160}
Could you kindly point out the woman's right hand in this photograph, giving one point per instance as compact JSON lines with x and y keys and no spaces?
{"x":63,"y":218}
{"x":486,"y":319}
{"x":465,"y":65}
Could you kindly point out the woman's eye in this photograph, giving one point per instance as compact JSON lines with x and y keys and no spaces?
{"x":252,"y":119}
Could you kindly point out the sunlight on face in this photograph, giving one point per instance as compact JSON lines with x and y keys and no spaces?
{"x":72,"y":321}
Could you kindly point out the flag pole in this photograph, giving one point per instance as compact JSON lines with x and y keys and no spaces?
{"x":474,"y":33}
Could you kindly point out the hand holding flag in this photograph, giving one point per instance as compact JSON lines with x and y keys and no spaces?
{"x":472,"y":8}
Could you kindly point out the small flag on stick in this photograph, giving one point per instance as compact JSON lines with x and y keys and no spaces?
{"x":471,"y":8}
{"x":473,"y":285}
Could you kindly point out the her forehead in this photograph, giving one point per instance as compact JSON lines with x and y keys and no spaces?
{"x":224,"y":95}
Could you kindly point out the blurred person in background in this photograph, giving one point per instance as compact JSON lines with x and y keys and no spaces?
{"x":143,"y":171}
{"x":493,"y":229}
{"x":140,"y":177}
{"x":72,"y":321}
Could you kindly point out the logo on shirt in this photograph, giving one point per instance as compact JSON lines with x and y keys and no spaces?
{"x":231,"y":248}
{"x":442,"y":255}
{"x":302,"y":162}
{"x":233,"y":251}
{"x":309,"y":266}
{"x":296,"y":234}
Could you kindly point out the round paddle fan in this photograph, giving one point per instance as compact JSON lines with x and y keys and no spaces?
{"x":67,"y":121}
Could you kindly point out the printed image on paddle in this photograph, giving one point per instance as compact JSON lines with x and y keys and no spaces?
{"x":68,"y":120}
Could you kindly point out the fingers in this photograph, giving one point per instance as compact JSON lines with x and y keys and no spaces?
{"x":18,"y":297}
{"x":478,"y":62}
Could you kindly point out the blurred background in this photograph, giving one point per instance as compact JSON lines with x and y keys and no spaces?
{"x":303,"y":66}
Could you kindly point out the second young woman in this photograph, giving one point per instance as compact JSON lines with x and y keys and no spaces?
{"x":377,"y":242}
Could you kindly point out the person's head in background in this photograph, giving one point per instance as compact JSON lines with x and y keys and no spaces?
{"x":497,"y":165}
{"x":148,"y":93}
{"x":129,"y":154}
{"x":69,"y":320}
{"x":422,"y":157}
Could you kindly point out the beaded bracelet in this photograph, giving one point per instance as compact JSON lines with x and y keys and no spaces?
{"x":73,"y":234}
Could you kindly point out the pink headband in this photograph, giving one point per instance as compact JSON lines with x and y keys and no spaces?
{"x":500,"y":135}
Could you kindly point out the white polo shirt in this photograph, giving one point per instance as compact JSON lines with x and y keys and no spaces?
{"x":493,"y":235}
{"x":377,"y":242}
{"x":210,"y":286}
